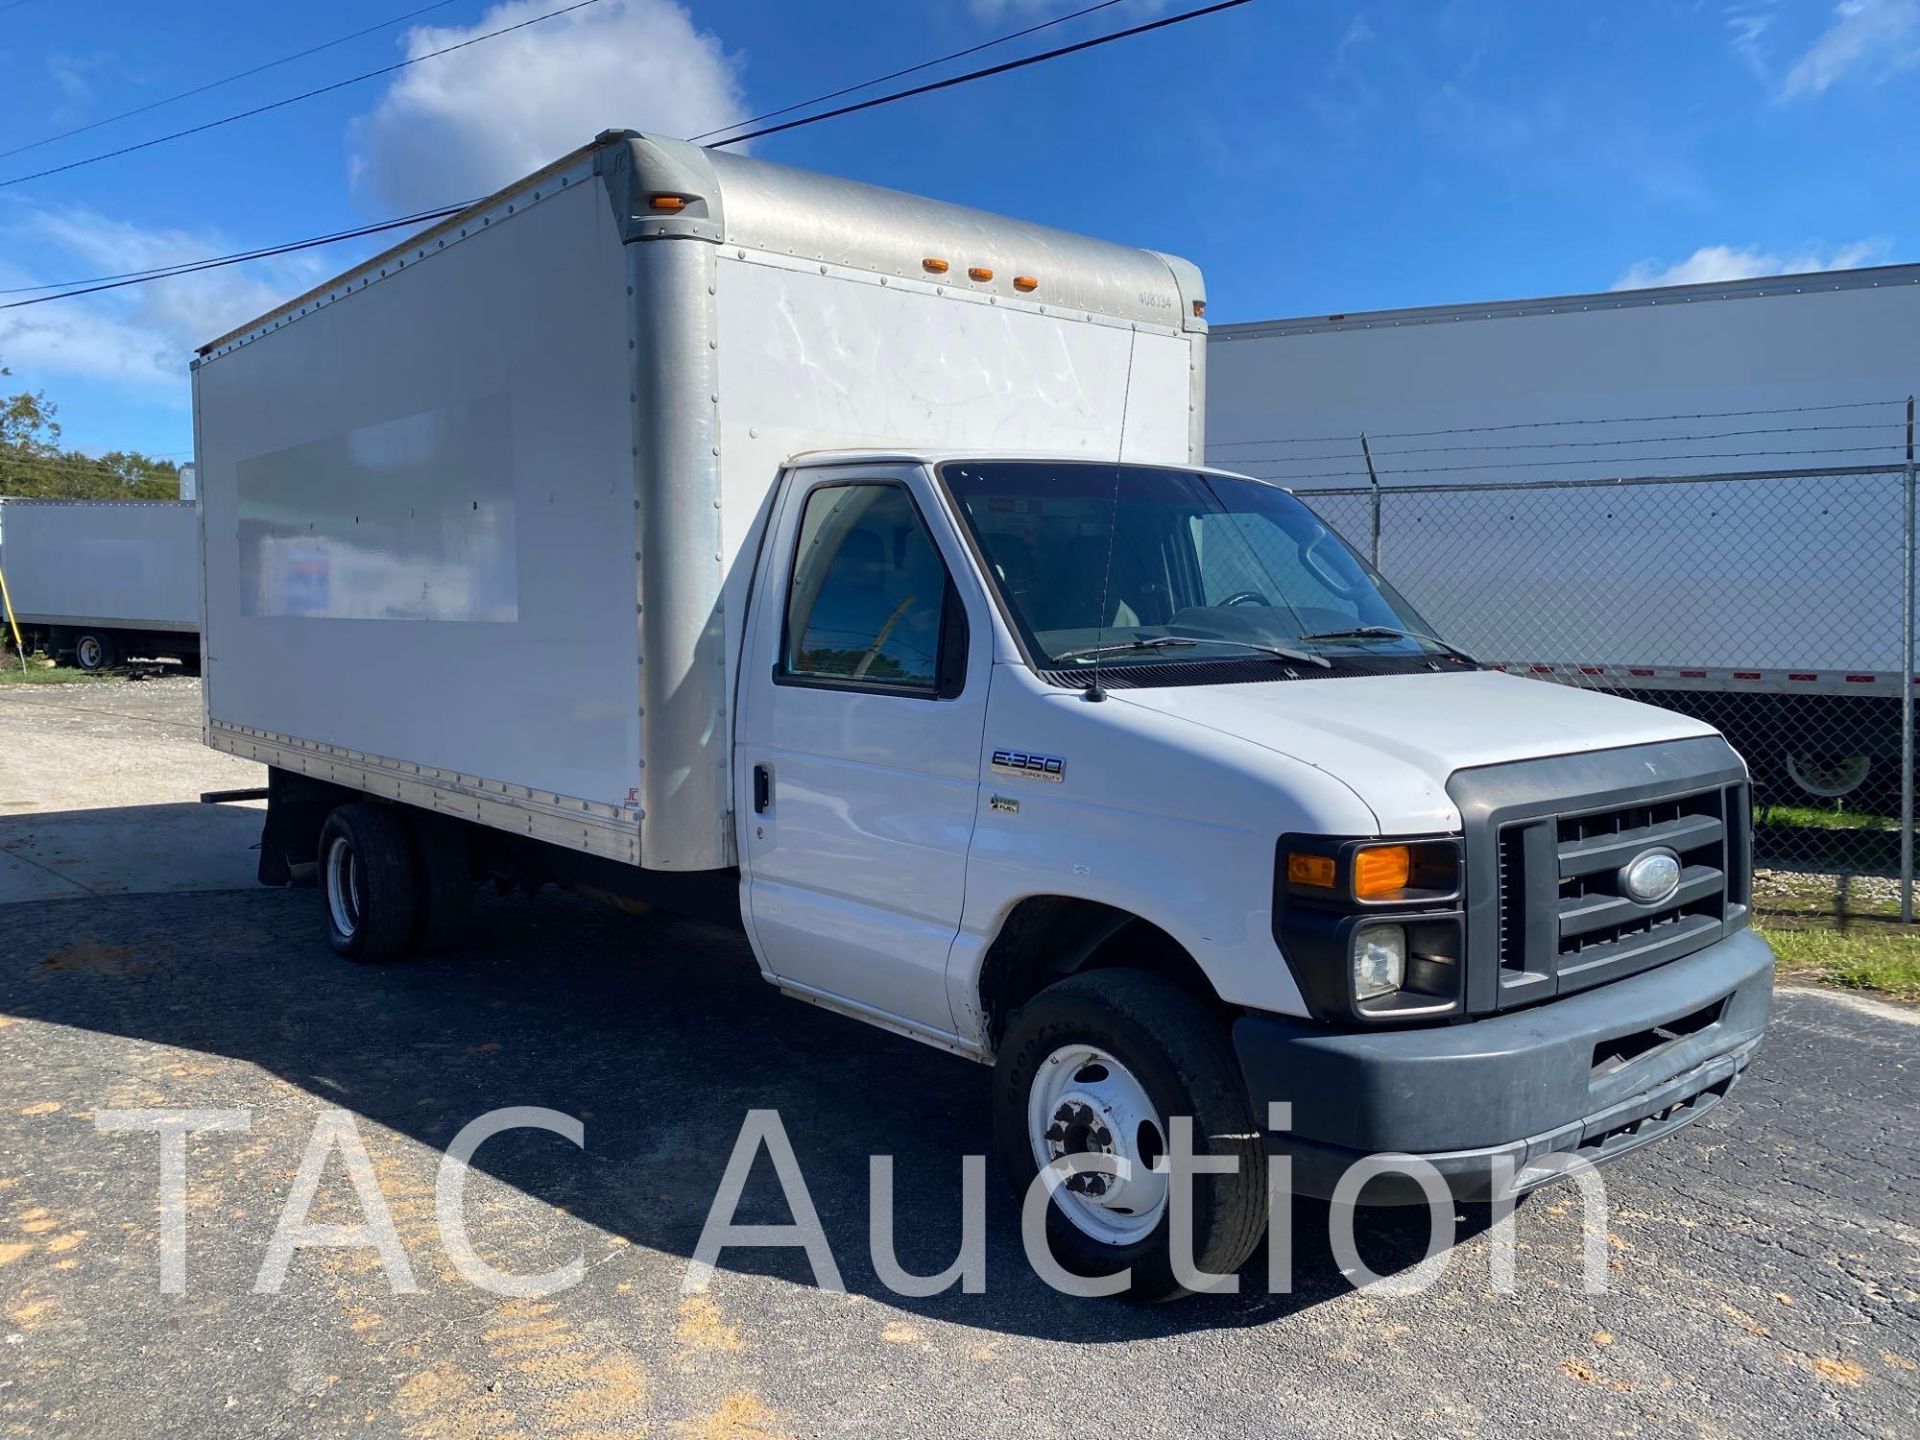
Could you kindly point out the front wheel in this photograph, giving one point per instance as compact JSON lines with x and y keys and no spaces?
{"x":1101,"y":1064}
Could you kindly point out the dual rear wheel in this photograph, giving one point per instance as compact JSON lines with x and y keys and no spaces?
{"x":392,"y":884}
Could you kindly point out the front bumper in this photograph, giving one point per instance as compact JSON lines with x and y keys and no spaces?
{"x":1593,"y":1075}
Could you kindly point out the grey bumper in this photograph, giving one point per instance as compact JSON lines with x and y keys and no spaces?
{"x":1593,"y":1075}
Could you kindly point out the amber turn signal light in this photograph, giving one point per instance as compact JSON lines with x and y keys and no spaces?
{"x":1381,"y":870}
{"x":667,"y":202}
{"x":1315,"y":870}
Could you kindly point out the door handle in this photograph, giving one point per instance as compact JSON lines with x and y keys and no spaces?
{"x":762,"y":789}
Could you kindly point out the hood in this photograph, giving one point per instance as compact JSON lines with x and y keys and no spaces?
{"x":1394,"y":739}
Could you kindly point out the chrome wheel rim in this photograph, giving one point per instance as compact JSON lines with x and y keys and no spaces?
{"x":344,"y":900}
{"x":1083,"y":1101}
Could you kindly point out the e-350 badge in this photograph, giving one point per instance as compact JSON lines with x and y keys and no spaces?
{"x":1029,"y":766}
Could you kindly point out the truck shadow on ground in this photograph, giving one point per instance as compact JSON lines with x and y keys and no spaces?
{"x":659,"y":1035}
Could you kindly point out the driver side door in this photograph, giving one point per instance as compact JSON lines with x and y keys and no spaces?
{"x":863,"y":708}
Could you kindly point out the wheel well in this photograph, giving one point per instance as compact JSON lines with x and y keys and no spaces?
{"x":1050,"y":936}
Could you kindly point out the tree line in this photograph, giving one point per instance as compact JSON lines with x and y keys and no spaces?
{"x":34,"y":464}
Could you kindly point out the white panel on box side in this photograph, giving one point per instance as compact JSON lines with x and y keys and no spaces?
{"x":812,"y":361}
{"x":419,"y":516}
{"x":130,"y":563}
{"x":1597,"y":388}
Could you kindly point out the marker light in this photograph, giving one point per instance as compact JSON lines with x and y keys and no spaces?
{"x":980,"y":273}
{"x":1199,"y":308}
{"x":1025,"y":283}
{"x":934,"y":266}
{"x":1314,"y":870}
{"x":667,"y":202}
{"x":1381,"y":870}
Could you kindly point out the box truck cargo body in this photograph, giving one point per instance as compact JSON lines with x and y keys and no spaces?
{"x":839,"y":564}
{"x":104,"y":581}
{"x":1497,"y":433}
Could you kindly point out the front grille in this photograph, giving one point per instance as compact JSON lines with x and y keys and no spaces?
{"x":1561,"y":877}
{"x":1558,"y":918}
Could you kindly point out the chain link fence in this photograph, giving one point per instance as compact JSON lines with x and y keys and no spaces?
{"x":1775,"y":605}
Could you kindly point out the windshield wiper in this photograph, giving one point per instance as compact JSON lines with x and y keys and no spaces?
{"x":1387,"y":632}
{"x":1169,"y":642}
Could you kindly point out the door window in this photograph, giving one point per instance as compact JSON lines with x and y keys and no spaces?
{"x":869,"y":603}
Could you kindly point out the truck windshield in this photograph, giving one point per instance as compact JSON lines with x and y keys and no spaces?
{"x":1135,"y":565}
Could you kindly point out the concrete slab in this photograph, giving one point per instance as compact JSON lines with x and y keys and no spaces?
{"x":128,"y":850}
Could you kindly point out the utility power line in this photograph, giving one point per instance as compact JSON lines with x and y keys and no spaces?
{"x":142,"y":277}
{"x":228,"y":80}
{"x":139,"y":277}
{"x":909,"y":70}
{"x":294,"y":99}
{"x":972,"y":75}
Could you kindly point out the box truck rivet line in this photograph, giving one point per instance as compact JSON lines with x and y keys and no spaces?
{"x":722,"y":559}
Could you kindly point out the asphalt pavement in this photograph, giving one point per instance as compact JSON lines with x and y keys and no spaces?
{"x":1762,"y":1267}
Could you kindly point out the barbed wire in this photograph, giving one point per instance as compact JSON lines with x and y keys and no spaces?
{"x":1898,"y":426}
{"x":1547,"y":464}
{"x":1550,"y":424}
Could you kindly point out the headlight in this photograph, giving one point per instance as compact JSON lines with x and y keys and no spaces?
{"x":1379,"y":961}
{"x":1373,"y":927}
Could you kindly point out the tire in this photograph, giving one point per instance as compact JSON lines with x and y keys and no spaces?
{"x":1169,"y":1046}
{"x":445,"y":911}
{"x":369,"y":885}
{"x":94,"y":650}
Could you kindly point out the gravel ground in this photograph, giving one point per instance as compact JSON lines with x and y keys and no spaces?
{"x":84,"y":747}
{"x":1761,"y":1265}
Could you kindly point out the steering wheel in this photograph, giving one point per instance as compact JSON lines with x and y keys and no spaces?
{"x":1246,"y":597}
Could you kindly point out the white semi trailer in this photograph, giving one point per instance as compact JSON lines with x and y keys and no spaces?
{"x":104,"y":581}
{"x":1532,"y":460}
{"x":839,"y":564}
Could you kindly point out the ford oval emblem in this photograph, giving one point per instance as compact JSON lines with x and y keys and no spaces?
{"x":1651,"y":877}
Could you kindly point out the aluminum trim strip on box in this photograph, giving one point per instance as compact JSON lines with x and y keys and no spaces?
{"x":574,"y":824}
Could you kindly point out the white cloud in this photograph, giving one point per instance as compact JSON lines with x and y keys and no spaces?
{"x":1359,"y":32}
{"x":468,"y":123}
{"x":141,"y":335}
{"x":1874,"y":38}
{"x":1747,"y":24}
{"x":1712,"y":263}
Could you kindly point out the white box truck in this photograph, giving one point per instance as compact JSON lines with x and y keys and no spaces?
{"x":1514,"y":442}
{"x":104,"y":581}
{"x":839,"y":564}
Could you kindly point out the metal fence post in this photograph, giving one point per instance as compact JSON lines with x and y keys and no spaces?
{"x":1366,"y":453}
{"x":1906,"y":692}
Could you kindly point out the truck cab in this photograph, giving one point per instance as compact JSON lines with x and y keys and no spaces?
{"x":1015,"y":733}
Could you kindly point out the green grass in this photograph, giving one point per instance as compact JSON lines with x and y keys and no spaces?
{"x":1862,"y":956}
{"x":35,"y":674}
{"x":1808,"y":817}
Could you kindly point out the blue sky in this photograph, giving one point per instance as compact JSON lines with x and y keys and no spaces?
{"x":1311,"y":157}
